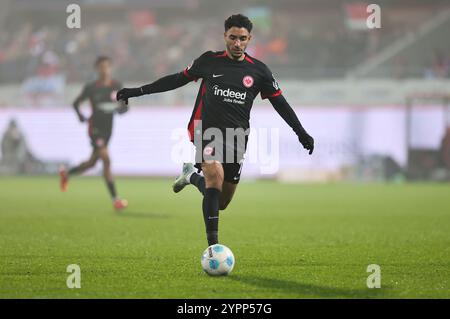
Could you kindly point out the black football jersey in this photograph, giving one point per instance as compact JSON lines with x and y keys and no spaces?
{"x":228,"y":89}
{"x":103,"y":102}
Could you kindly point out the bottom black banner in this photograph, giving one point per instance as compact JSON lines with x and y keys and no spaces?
{"x":242,"y":308}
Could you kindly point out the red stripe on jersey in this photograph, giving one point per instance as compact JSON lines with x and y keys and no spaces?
{"x":222,"y":55}
{"x":249,"y":60}
{"x":263,"y":96}
{"x":188,"y":76}
{"x":197,"y":116}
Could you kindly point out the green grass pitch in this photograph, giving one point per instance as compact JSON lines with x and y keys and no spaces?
{"x":290,"y":241}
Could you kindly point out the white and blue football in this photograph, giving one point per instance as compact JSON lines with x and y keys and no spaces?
{"x":217,"y":260}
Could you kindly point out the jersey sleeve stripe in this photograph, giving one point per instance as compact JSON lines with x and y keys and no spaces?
{"x":186,"y":74}
{"x":264,"y":96}
{"x":197,"y":115}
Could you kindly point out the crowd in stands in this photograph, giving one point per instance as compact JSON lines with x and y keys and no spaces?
{"x":142,"y":52}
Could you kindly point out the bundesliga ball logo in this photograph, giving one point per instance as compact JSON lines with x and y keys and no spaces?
{"x":247,"y":81}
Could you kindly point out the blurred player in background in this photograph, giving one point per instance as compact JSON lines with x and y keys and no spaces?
{"x":231,"y":80}
{"x":102,"y":97}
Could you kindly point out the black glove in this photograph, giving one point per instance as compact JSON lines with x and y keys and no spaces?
{"x":122,"y":108}
{"x":125,"y":93}
{"x":307,"y":141}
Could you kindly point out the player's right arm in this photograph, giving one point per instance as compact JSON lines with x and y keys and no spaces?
{"x":167,"y":83}
{"x":76,"y":104}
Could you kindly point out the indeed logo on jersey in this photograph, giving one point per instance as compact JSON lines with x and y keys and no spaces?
{"x":230,"y":95}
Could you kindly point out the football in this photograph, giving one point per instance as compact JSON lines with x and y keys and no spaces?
{"x":217,"y":260}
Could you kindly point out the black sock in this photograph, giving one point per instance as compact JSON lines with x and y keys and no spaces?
{"x":211,"y":214}
{"x":111,"y":189}
{"x":199,"y":181}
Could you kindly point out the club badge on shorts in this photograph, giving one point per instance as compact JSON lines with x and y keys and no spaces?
{"x":248,"y":81}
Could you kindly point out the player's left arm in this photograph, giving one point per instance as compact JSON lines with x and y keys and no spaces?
{"x":270,"y":90}
{"x":287,"y":113}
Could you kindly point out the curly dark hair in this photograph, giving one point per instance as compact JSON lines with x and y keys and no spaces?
{"x":102,"y":58}
{"x":240,"y":21}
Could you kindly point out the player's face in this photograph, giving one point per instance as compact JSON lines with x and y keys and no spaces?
{"x":104,"y":69}
{"x":236,"y":40}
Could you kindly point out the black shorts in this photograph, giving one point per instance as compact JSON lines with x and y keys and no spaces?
{"x":229,"y":153}
{"x":99,"y":136}
{"x":231,"y":171}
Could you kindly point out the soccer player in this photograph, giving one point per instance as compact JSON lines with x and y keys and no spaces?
{"x":101,"y":95}
{"x":231,"y":80}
